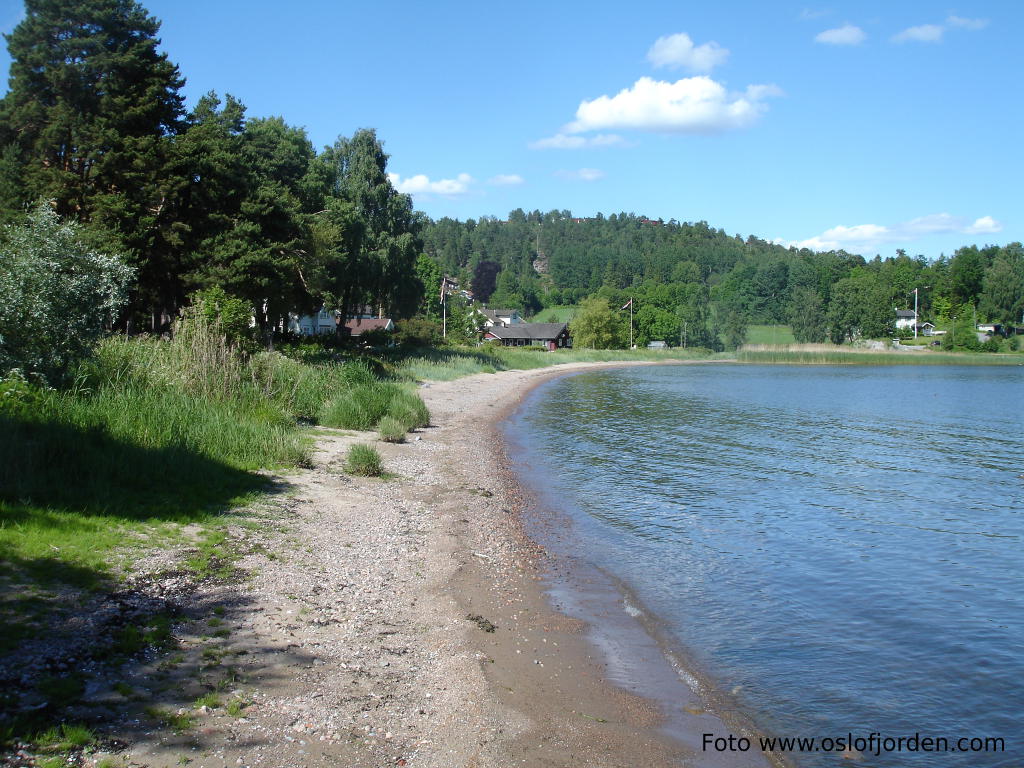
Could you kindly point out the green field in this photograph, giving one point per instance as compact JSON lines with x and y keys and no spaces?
{"x":561,"y":313}
{"x":770,"y":334}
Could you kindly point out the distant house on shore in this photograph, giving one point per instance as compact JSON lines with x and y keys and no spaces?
{"x":313,"y":325}
{"x":657,"y":345}
{"x":905,"y":319}
{"x":500,"y":317}
{"x":325,"y":322}
{"x":549,"y":335}
{"x":356,"y":327}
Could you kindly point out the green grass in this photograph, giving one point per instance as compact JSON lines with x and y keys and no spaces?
{"x":64,"y":737}
{"x":391,"y":430}
{"x":209,"y":700}
{"x":770,"y":334}
{"x":447,"y":364}
{"x":561,"y":313}
{"x":175,"y":721}
{"x":363,"y":460}
{"x":827,"y":354}
{"x":236,"y":707}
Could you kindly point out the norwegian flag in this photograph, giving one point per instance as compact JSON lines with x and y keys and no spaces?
{"x":628,"y":304}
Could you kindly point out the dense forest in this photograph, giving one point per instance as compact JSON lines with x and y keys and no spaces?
{"x":95,"y":127}
{"x":696,"y":278}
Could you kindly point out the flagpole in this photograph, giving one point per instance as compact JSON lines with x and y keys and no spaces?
{"x":630,"y":322}
{"x":915,"y":313}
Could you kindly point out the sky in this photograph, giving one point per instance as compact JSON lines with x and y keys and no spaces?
{"x":870,"y":126}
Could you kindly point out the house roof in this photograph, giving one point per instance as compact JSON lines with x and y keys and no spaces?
{"x":905,"y":313}
{"x":361,"y":326}
{"x":496,"y":312}
{"x":533,"y":331}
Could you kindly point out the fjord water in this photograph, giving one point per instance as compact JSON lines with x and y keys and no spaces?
{"x":840,"y":547}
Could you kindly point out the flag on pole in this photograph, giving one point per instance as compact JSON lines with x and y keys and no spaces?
{"x":628,"y":304}
{"x":444,"y":287}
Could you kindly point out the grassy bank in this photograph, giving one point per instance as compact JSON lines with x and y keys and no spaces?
{"x":446,"y":364}
{"x":828,"y":354}
{"x":152,"y":437}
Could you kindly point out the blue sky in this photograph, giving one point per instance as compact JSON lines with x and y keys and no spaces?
{"x":870,"y":126}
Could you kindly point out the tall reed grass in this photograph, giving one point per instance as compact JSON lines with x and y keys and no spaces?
{"x":828,"y":354}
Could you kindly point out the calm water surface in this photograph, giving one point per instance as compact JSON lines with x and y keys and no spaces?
{"x":841,"y":547}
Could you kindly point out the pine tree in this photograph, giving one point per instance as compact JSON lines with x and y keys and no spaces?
{"x":86,"y":121}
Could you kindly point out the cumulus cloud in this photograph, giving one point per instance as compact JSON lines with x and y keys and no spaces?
{"x":984,"y":226}
{"x":867,"y":237}
{"x":925,"y":33}
{"x":848,"y":34}
{"x":678,"y":51}
{"x":564,"y":141}
{"x":506,"y":180}
{"x":422,"y":185}
{"x":692,"y":105}
{"x":583,"y":174}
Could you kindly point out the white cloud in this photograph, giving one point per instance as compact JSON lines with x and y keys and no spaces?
{"x":583,"y":174}
{"x":925,"y":33}
{"x":868,"y":237}
{"x":691,"y":105}
{"x":678,"y":51}
{"x":848,"y":34}
{"x":984,"y":226}
{"x":506,"y":180}
{"x":563,"y":141}
{"x":962,"y":23}
{"x":422,"y":185}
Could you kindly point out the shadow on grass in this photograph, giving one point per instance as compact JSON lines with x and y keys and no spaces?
{"x":49,"y":468}
{"x":437,"y":355}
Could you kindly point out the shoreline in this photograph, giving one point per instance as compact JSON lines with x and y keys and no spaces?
{"x":615,"y":657}
{"x":403,"y":621}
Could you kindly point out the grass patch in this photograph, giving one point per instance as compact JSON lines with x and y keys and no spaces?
{"x":236,"y":707}
{"x":209,"y":700}
{"x":770,"y":334}
{"x":64,"y":737}
{"x":212,"y":558}
{"x":363,"y":460}
{"x":391,"y":430}
{"x":176,"y":721}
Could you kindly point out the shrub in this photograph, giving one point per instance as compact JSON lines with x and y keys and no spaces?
{"x":391,"y":430}
{"x":418,"y":332}
{"x":232,"y":315}
{"x":364,"y":460}
{"x":56,"y":295}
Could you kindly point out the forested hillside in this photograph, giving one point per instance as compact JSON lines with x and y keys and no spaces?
{"x":692,"y":276}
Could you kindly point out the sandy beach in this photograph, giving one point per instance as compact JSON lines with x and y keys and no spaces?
{"x":399,"y":621}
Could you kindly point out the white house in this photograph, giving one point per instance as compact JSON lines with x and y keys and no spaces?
{"x":500,"y":317}
{"x":905,"y":318}
{"x":313,"y":325}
